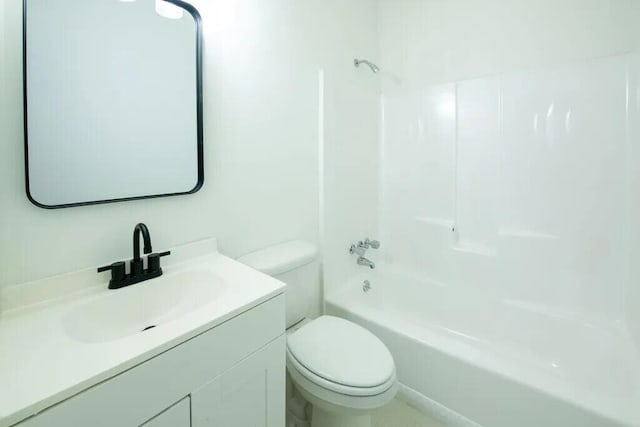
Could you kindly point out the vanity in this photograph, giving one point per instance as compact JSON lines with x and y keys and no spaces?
{"x":202,"y":345}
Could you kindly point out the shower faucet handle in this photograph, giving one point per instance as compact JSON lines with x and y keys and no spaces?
{"x":358,"y":249}
{"x":371,"y":243}
{"x":362,"y":246}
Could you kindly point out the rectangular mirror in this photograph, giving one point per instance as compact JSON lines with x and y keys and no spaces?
{"x":113,"y":100}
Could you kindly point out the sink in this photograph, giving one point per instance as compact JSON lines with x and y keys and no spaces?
{"x":139,"y":308}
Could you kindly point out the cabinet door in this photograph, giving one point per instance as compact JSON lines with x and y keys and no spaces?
{"x":250,"y":394}
{"x":179,"y":415}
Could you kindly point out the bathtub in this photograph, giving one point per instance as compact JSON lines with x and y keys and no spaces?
{"x":470,"y":360}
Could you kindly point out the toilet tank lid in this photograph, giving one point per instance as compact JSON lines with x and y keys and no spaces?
{"x":281,"y":258}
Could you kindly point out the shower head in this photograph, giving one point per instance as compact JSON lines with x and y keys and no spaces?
{"x":371,"y":65}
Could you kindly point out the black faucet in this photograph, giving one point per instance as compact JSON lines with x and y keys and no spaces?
{"x":137,"y":273}
{"x":136,"y":263}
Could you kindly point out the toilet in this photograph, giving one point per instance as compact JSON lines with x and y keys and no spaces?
{"x":340,"y":368}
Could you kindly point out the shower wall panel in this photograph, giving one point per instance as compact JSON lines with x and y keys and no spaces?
{"x":519,"y":183}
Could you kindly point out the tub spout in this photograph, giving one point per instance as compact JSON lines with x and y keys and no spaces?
{"x":363,"y":261}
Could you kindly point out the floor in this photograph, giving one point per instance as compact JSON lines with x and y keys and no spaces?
{"x":399,"y":414}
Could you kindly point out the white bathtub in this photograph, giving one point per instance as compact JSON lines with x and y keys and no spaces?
{"x":498,"y":363}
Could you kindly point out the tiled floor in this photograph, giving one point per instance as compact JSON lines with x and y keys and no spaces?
{"x":399,"y":414}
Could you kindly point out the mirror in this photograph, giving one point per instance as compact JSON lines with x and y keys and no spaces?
{"x":113,"y":100}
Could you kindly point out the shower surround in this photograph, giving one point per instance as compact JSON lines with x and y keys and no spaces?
{"x":518,"y":194}
{"x":509,"y":211}
{"x":522,"y":185}
{"x":509,"y":206}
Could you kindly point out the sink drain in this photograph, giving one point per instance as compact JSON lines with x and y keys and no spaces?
{"x":148,"y":327}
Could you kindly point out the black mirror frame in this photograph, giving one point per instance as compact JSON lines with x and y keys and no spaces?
{"x":199,"y":111}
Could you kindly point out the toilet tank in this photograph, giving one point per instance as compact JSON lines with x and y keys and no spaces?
{"x":296,"y":264}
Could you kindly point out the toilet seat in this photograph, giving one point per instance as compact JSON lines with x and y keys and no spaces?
{"x":293,"y":363}
{"x":341,"y":357}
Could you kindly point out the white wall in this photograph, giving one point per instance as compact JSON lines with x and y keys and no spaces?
{"x":261,"y":140}
{"x":508,"y":147}
{"x":442,"y":41}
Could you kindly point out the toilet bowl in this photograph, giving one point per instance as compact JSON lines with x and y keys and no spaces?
{"x":342,"y":369}
{"x":337,"y":366}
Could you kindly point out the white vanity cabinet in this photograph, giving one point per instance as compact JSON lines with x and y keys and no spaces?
{"x":230,"y":375}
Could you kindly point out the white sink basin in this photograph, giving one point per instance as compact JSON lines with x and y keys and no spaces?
{"x":141,"y":307}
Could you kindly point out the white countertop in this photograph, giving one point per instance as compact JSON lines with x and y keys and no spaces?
{"x":41,"y":364}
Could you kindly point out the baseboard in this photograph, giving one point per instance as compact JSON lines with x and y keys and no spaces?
{"x":434,"y":409}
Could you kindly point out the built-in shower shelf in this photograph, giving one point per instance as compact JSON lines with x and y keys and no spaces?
{"x":475,"y":248}
{"x":525,"y":234}
{"x":440,"y":222}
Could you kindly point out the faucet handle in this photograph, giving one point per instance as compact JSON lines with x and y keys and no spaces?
{"x":359,"y":249}
{"x":118,"y":270}
{"x":375,"y":244}
{"x":153,"y":261}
